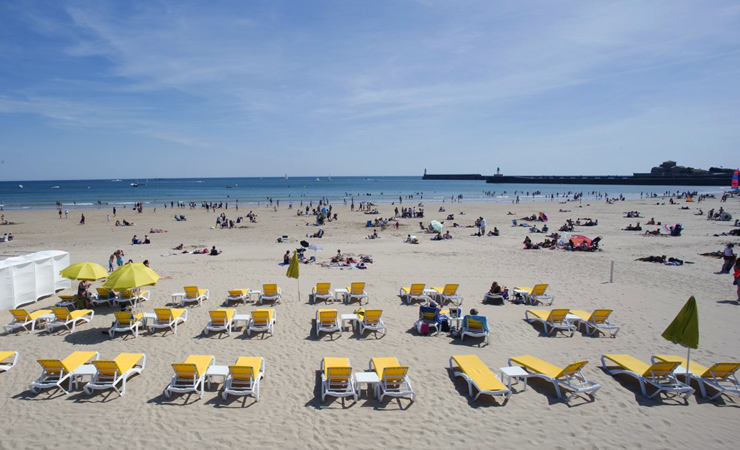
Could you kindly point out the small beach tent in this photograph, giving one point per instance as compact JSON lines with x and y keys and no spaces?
{"x":25,"y":279}
{"x":578,"y":239}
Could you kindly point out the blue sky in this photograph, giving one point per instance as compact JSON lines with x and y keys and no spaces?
{"x":143,"y":89}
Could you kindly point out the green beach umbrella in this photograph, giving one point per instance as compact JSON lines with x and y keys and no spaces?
{"x":684,"y":329}
{"x":293,"y":271}
{"x":88,"y":271}
{"x":436,"y":226}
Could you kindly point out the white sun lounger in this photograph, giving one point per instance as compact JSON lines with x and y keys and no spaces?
{"x":125,"y":321}
{"x":244,"y":377}
{"x":56,"y":372}
{"x":659,"y":375}
{"x":556,"y":320}
{"x":168,"y":318}
{"x":63,"y":317}
{"x":262,"y":320}
{"x":597,"y":321}
{"x":8,"y":360}
{"x":371,"y":320}
{"x":24,"y":319}
{"x":394,"y":378}
{"x":220,"y":320}
{"x":190,"y":376}
{"x":327,"y":321}
{"x":570,"y":377}
{"x":721,"y":376}
{"x":477,"y":375}
{"x":337,"y":379}
{"x":111,"y":374}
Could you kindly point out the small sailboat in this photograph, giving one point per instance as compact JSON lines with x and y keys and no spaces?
{"x":55,"y":187}
{"x":317,"y":179}
{"x":286,"y":177}
{"x":20,"y":186}
{"x":329,"y":178}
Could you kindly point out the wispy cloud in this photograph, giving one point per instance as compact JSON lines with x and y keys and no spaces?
{"x":387,"y":75}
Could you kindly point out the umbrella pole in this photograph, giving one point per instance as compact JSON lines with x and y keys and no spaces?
{"x":688,"y":364}
{"x":298,"y":281}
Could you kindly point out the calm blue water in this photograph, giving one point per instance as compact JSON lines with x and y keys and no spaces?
{"x":155,"y":192}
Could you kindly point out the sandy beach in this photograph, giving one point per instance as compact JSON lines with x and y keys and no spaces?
{"x":645,"y":298}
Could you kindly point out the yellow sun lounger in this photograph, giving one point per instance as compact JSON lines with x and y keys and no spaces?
{"x":6,"y":363}
{"x":337,"y":379}
{"x":556,"y":320}
{"x":168,"y":318}
{"x":534,"y":295}
{"x":477,"y":375}
{"x":270,"y":293}
{"x":371,"y":320}
{"x":236,"y":295}
{"x":104,"y":296}
{"x":109,"y":374}
{"x":322,"y":291}
{"x":415,"y":292}
{"x":244,"y":377}
{"x":221,"y":320}
{"x":126,"y":321}
{"x":594,"y":322}
{"x":659,"y":375}
{"x":570,"y":377}
{"x":128,"y":297}
{"x":63,"y":317}
{"x":24,"y":319}
{"x":327,"y":320}
{"x":55,"y":372}
{"x":262,"y":320}
{"x":394,"y":378}
{"x":193,"y":294}
{"x":448,"y":293}
{"x":190,"y":375}
{"x":356,"y":291}
{"x":721,"y":376}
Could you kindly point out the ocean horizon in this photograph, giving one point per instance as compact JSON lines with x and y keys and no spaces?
{"x":100,"y":193}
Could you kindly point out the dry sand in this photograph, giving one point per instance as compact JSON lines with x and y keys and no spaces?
{"x":644,"y":296}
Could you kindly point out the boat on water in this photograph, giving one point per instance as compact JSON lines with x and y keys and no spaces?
{"x":20,"y":186}
{"x":55,"y":187}
{"x":134,"y":184}
{"x":286,"y":177}
{"x":318,"y":179}
{"x":116,"y":180}
{"x":329,"y":178}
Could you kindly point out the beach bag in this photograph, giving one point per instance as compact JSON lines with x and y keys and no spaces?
{"x":445,"y":326}
{"x":424,"y":329}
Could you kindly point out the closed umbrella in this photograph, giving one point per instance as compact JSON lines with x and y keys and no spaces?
{"x":684,"y":330}
{"x":131,"y":276}
{"x":88,"y":271}
{"x":293,"y":271}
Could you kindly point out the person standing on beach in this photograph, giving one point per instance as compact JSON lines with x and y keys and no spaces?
{"x":736,"y":277}
{"x":729,"y":258}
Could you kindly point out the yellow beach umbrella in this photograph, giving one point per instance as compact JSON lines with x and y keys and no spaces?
{"x":131,"y":276}
{"x":88,"y":271}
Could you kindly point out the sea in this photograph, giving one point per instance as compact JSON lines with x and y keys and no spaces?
{"x":87,"y":194}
